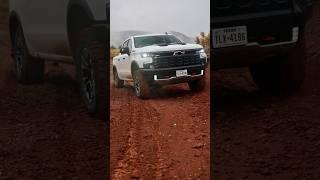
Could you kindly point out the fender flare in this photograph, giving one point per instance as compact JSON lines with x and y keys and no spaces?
{"x":14,"y":15}
{"x":82,"y":4}
{"x":134,"y":64}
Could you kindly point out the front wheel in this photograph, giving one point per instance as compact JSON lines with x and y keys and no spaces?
{"x":92,"y":72}
{"x":28,"y":69}
{"x":197,"y":85}
{"x":141,"y":87}
{"x":118,"y":83}
{"x":282,"y":73}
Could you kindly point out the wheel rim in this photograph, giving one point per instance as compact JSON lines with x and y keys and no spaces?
{"x":137,"y":86}
{"x":18,"y":54}
{"x":87,"y":76}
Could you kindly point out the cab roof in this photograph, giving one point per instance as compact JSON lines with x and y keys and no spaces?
{"x":146,"y":35}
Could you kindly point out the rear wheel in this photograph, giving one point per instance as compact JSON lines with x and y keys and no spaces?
{"x":141,"y":87}
{"x":197,"y":85}
{"x":118,"y":83}
{"x":92,"y":72}
{"x":28,"y":69}
{"x":282,"y":73}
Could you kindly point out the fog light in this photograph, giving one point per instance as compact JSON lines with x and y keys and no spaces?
{"x":148,"y":66}
{"x":295,"y":34}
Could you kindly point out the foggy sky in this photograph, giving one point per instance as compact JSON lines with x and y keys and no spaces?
{"x":186,"y":16}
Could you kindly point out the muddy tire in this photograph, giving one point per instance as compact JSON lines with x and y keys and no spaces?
{"x":118,"y":83}
{"x":28,"y":69}
{"x":197,"y":85}
{"x":141,"y":87}
{"x":283,"y":73}
{"x":91,"y":64}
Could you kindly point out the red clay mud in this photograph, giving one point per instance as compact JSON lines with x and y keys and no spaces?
{"x":260,"y":136}
{"x":45,"y":133}
{"x":164,"y":137}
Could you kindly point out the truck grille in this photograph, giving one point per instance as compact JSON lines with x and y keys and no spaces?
{"x":234,"y":7}
{"x":168,"y":60}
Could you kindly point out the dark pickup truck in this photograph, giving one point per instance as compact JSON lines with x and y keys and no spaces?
{"x":265,"y":35}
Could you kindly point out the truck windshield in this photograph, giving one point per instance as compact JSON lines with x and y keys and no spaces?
{"x":161,"y":40}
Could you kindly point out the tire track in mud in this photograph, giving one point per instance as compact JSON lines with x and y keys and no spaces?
{"x":184,"y":134}
{"x":123,"y":167}
{"x":141,"y":155}
{"x":155,"y":155}
{"x":167,"y":136}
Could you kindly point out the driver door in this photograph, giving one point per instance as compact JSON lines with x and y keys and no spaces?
{"x":127,"y":60}
{"x":121,"y":61}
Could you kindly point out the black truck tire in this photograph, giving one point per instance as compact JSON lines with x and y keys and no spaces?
{"x":118,"y":83}
{"x":28,"y":69}
{"x":141,"y":86}
{"x":197,"y":85}
{"x":282,"y":73}
{"x":91,"y":64}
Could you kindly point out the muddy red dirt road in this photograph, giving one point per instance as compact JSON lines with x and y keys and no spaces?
{"x":45,"y":132}
{"x":164,"y":137}
{"x":259,"y":136}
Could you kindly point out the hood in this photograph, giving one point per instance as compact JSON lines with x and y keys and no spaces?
{"x":175,"y":47}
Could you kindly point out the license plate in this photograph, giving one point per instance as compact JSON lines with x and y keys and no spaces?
{"x":180,"y":73}
{"x":231,"y":36}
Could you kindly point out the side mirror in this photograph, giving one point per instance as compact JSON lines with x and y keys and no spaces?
{"x":125,"y":50}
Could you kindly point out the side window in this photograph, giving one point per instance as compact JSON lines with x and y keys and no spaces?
{"x":130,"y":45}
{"x":125,"y":44}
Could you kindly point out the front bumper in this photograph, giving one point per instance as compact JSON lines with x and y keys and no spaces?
{"x":283,"y":26}
{"x":167,"y":76}
{"x":233,"y":57}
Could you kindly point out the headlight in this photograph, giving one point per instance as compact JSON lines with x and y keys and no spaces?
{"x":145,"y":55}
{"x":202,"y":53}
{"x":147,"y":61}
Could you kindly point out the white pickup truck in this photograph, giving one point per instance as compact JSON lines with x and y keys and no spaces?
{"x":63,"y":31}
{"x":159,"y":59}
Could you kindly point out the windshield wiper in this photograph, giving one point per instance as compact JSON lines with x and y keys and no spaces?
{"x":163,"y":44}
{"x":160,"y":44}
{"x":182,"y":43}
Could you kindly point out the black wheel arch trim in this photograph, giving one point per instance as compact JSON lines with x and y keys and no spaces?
{"x":134,"y":64}
{"x":13,"y":15}
{"x":81,"y":4}
{"x":75,"y":7}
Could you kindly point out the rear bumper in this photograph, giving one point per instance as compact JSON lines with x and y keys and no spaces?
{"x":167,"y":76}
